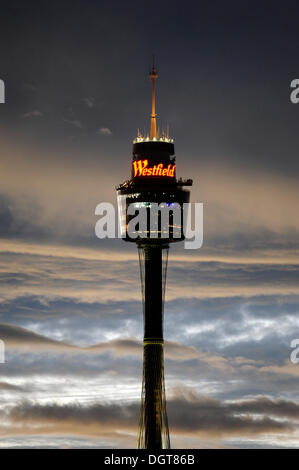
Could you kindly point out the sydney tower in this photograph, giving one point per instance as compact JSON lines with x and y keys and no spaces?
{"x":153,"y":185}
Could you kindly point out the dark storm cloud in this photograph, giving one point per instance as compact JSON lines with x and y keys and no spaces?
{"x":15,"y":336}
{"x":266,"y":406}
{"x":98,"y":413}
{"x":187,"y":413}
{"x":10,"y":387}
{"x":216,"y":417}
{"x":231,"y":62}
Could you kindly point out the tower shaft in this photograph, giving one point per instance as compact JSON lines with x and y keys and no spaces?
{"x":153,"y":293}
{"x":153,"y":424}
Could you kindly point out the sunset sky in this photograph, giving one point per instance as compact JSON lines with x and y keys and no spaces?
{"x":77,"y":90}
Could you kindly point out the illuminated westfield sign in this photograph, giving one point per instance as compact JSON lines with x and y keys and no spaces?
{"x":140,"y":168}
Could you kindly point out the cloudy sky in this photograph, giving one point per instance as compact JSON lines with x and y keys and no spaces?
{"x":70,"y":304}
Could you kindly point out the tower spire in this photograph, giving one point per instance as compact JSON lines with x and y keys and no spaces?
{"x":153,"y":75}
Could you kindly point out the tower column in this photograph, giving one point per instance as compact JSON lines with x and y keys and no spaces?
{"x":153,"y":424}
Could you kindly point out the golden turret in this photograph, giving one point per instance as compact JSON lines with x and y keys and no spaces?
{"x":153,"y":75}
{"x":162,"y":135}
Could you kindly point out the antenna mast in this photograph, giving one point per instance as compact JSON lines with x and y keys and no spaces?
{"x":153,"y":75}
